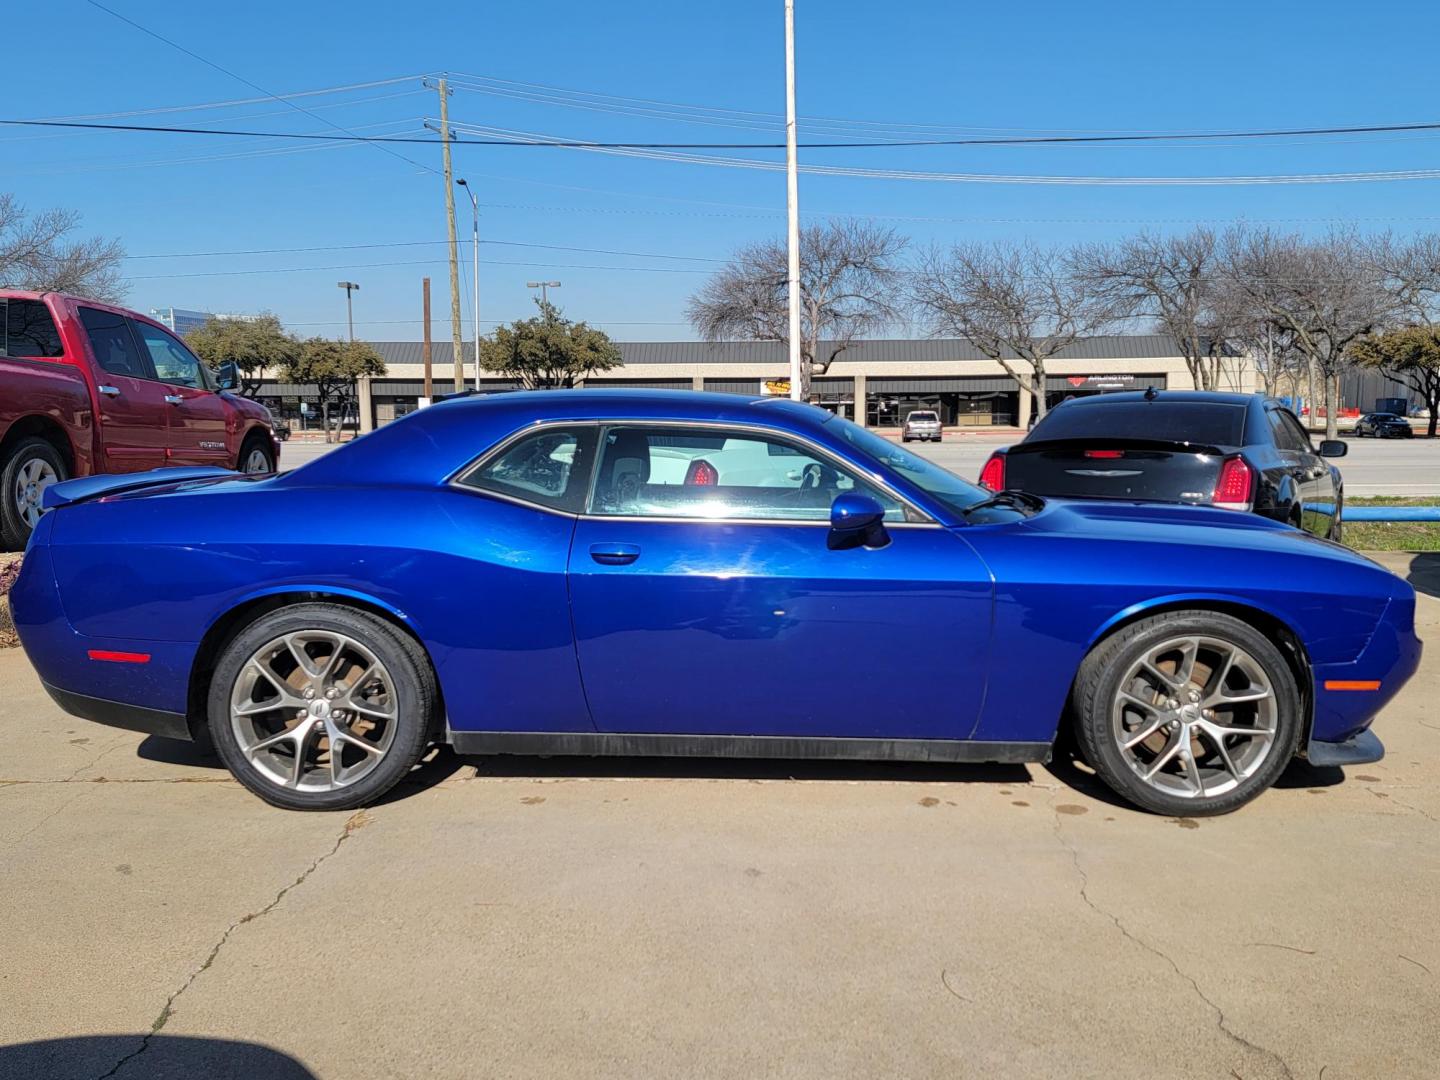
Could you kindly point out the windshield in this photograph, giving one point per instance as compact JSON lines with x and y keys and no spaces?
{"x":943,"y":484}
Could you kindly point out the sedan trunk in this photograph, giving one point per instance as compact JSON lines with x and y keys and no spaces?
{"x":1152,"y":470}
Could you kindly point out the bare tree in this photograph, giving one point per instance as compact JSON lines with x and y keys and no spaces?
{"x":1017,"y":303}
{"x":850,"y":286}
{"x":1174,"y":281}
{"x":1321,"y":295}
{"x":36,"y":252}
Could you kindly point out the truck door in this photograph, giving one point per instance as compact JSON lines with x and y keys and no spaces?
{"x":132,"y":422}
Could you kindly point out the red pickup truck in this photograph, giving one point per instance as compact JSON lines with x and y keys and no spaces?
{"x":86,"y":388}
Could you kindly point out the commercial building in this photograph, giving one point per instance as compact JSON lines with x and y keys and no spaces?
{"x":874,"y":382}
{"x":181,"y":321}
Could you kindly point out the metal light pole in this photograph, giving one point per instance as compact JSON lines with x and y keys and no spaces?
{"x":543,"y":286}
{"x":792,"y":201}
{"x":349,"y":287}
{"x":475,"y":245}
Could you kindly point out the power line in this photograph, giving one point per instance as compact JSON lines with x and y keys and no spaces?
{"x":593,"y":144}
{"x":240,"y":78}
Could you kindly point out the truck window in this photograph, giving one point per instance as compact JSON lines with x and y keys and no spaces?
{"x":115,"y":347}
{"x":173,"y":363}
{"x":26,"y":329}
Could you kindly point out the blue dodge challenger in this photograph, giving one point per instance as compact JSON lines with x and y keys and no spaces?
{"x":655,"y":572}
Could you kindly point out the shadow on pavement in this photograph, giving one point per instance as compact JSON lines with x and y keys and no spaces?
{"x":1301,"y":774}
{"x":152,"y":1056}
{"x":1425,"y":573}
{"x":685,"y":768}
{"x":177,"y":752}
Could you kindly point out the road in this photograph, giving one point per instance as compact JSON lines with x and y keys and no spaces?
{"x":1373,"y":466}
{"x":623,"y":918}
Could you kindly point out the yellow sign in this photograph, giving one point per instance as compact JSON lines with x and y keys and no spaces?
{"x":775,"y":387}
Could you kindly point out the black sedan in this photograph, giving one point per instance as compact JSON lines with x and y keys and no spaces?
{"x":1383,"y":425}
{"x":1235,"y":451}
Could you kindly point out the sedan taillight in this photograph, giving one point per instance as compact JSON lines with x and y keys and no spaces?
{"x":992,"y":476}
{"x":1235,"y":488}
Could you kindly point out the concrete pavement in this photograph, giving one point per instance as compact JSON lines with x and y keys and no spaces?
{"x":534,"y":918}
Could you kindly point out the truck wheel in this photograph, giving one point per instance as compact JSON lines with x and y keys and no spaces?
{"x":256,"y":457}
{"x":32,"y":466}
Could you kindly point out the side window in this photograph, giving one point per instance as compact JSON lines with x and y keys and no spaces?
{"x":712,"y":474}
{"x":173,"y":362}
{"x":27,"y":329}
{"x":1297,"y":433}
{"x":549,"y":468}
{"x":115,"y":347}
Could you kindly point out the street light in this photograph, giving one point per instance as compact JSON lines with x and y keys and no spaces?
{"x":543,"y":286}
{"x":349,"y":287}
{"x":475,"y":245}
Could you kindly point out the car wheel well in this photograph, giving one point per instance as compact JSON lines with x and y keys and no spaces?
{"x":1289,"y":643}
{"x":228,"y":626}
{"x":45,"y":428}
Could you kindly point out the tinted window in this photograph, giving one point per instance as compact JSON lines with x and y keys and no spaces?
{"x":717,"y":475}
{"x":173,"y":362}
{"x":28,"y":329}
{"x":942,"y":484}
{"x":1210,"y":423}
{"x":550,"y":468}
{"x":1298,"y":435}
{"x":115,"y":348}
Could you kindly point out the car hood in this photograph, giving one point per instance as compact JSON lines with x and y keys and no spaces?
{"x":1193,"y":526}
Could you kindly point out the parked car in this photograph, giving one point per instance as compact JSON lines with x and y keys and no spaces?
{"x":90,"y":388}
{"x":922,"y":424}
{"x":281,"y":427}
{"x":1235,"y":451}
{"x":1379,"y":425}
{"x":536,"y":573}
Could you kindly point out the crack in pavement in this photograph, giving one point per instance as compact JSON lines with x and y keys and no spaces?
{"x":357,"y":820}
{"x":1221,"y":1021}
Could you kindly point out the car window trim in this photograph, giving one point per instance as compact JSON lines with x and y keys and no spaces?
{"x":482,"y":459}
{"x":816,"y":450}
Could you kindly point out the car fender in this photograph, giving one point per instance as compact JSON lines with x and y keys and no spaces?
{"x":299,"y":589}
{"x":1177,"y":600}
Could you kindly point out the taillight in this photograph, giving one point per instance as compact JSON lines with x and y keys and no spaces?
{"x":1105,"y":454}
{"x":992,"y":476}
{"x":1234,"y":488}
{"x":702,"y":474}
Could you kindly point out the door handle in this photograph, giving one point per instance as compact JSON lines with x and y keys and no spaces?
{"x":109,"y":391}
{"x":174,"y":399}
{"x":614,"y":554}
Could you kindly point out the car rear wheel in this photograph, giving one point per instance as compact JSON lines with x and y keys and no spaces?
{"x":321,"y":707}
{"x":32,"y":467}
{"x":1189,"y":713}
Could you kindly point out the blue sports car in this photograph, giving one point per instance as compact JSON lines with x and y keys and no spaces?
{"x":654,"y":572}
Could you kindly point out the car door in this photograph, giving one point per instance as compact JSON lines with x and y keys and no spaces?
{"x":133,"y":421}
{"x":709,"y":605}
{"x":1312,"y":474}
{"x":196,"y":414}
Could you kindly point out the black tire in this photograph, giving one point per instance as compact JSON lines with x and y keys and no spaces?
{"x":256,"y":444}
{"x":1098,"y":683}
{"x":405,"y":662}
{"x":14,"y":526}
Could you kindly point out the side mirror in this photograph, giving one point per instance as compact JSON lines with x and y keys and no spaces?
{"x":1333,"y":448}
{"x":857,"y":521}
{"x":227,"y":375}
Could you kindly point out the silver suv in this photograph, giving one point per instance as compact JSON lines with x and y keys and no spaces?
{"x":921,"y":424}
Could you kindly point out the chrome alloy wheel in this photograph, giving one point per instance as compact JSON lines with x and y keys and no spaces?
{"x":256,"y":462}
{"x":1195,"y":716}
{"x":34,"y":477}
{"x":314,"y":710}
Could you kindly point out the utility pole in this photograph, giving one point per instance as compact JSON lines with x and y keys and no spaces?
{"x":349,"y":287}
{"x":455,"y":331}
{"x":475,"y":249}
{"x":792,"y":202}
{"x":425,"y":348}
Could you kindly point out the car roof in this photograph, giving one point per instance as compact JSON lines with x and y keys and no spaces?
{"x":434,"y":442}
{"x":1213,"y":397}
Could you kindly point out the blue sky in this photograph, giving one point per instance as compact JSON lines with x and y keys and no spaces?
{"x":928,"y":64}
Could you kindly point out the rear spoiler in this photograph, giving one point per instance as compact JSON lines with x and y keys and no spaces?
{"x":1106,"y":441}
{"x":93,"y":487}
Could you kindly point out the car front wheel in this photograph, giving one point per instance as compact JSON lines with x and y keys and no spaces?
{"x":1190,"y":713}
{"x":321,"y":707}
